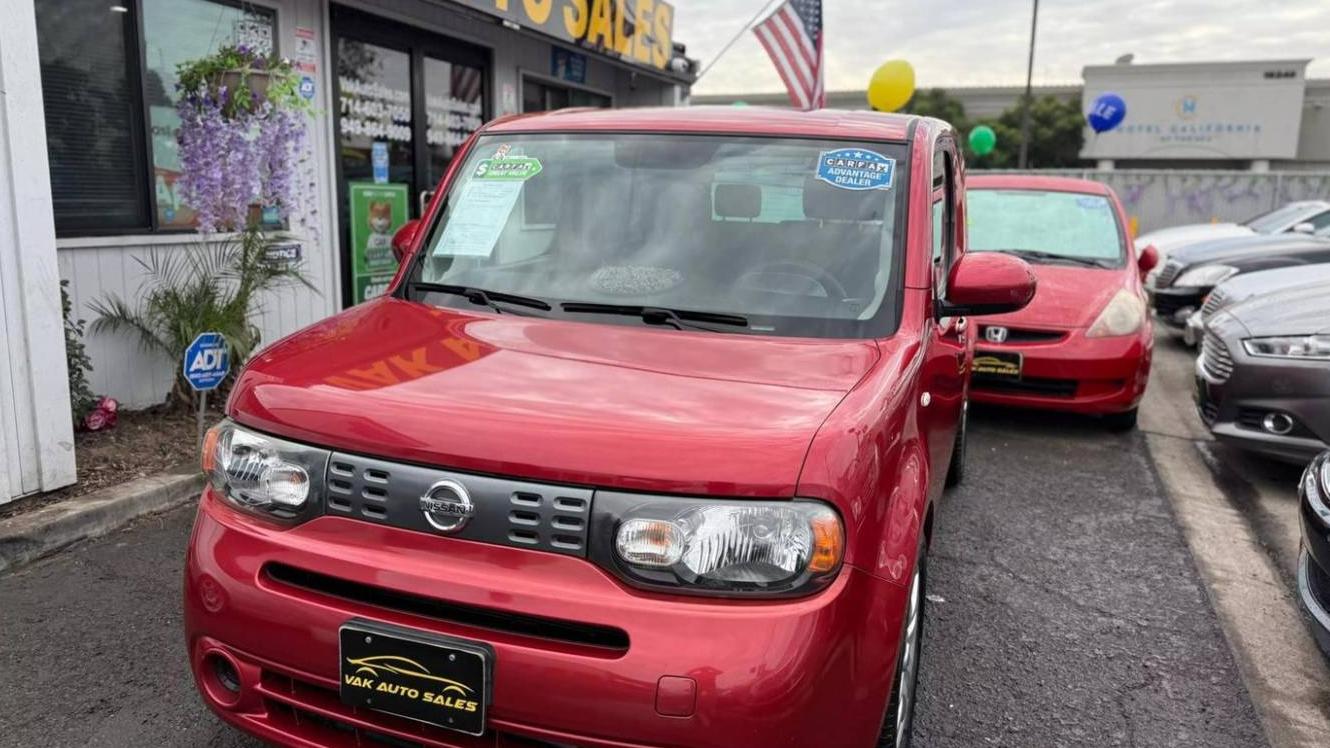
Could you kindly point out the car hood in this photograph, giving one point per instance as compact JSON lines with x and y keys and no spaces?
{"x":596,"y":404}
{"x":1242,"y":287}
{"x":1237,"y":248}
{"x":1065,"y":297}
{"x":1170,"y":239}
{"x":1301,"y":311}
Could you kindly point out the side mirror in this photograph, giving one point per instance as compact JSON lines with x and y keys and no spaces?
{"x":404,"y":238}
{"x":1304,"y":228}
{"x":987,"y":283}
{"x":1148,"y":259}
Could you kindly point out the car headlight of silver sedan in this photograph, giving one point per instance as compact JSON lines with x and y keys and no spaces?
{"x":1205,"y":276}
{"x":1315,"y":347}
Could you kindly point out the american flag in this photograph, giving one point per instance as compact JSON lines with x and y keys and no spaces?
{"x":792,"y":37}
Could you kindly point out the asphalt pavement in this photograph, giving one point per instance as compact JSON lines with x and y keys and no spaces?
{"x":1064,"y":610}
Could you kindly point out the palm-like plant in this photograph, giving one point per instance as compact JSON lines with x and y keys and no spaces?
{"x":207,"y":287}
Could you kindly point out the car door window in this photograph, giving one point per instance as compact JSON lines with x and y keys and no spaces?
{"x":944,"y":217}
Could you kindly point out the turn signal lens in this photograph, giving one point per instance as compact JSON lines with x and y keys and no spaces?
{"x":650,"y":542}
{"x":828,"y":544}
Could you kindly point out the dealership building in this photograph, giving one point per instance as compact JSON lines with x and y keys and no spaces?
{"x":1261,"y":115}
{"x":89,"y":162}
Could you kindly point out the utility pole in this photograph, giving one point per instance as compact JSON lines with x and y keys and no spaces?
{"x":1025,"y":102}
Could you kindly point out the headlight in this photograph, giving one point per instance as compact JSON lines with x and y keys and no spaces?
{"x":1316,"y":347}
{"x":264,"y":475}
{"x":1122,"y":315}
{"x":1205,"y":276}
{"x":706,"y":546}
{"x":1316,"y":485}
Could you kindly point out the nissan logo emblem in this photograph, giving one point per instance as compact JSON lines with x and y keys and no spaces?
{"x":447,"y":506}
{"x":995,"y":334}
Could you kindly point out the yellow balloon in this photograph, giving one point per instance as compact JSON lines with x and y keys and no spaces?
{"x":891,"y":86}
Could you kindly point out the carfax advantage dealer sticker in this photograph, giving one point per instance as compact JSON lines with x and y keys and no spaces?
{"x":856,"y":169}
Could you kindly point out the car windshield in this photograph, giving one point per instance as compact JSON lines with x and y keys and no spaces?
{"x":782,"y":236}
{"x":1045,"y":226}
{"x":1275,"y":220}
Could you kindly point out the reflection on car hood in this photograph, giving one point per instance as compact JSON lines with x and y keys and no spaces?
{"x":1066,"y":296}
{"x":1242,"y":287}
{"x":1170,"y":239}
{"x":1231,"y":248}
{"x":1301,"y":311}
{"x":645,"y":408}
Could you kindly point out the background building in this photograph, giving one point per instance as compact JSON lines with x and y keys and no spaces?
{"x":1231,"y":99}
{"x":397,"y":85}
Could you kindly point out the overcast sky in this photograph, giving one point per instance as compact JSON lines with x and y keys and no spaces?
{"x":983,"y":42}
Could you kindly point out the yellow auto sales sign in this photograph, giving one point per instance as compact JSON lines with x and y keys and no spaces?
{"x":638,"y":31}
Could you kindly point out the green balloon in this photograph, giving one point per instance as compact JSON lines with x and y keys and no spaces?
{"x":739,"y":103}
{"x":982,"y":140}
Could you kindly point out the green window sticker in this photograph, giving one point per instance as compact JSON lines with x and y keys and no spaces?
{"x":517,"y":169}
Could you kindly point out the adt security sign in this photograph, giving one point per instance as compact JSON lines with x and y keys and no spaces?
{"x":207,"y":361}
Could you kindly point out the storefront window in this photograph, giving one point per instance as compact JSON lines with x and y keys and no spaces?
{"x":454,"y":98}
{"x":92,"y":122}
{"x":176,"y":31}
{"x":539,"y":96}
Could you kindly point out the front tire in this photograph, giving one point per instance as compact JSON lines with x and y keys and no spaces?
{"x":956,"y":468}
{"x":898,"y":726}
{"x":1121,"y":421}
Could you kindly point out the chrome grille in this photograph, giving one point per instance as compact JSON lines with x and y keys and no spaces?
{"x":1215,"y":359}
{"x":1212,"y":303}
{"x":1168,"y":274}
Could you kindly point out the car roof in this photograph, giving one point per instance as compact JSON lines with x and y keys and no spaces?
{"x":739,"y":120}
{"x":1034,"y":182}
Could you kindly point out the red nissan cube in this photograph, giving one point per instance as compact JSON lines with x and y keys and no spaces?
{"x":640,"y":449}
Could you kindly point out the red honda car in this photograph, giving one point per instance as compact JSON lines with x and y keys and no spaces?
{"x":1084,"y":344}
{"x":641,"y":449}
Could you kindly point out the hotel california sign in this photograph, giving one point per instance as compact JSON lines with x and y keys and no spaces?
{"x":1226,"y":110}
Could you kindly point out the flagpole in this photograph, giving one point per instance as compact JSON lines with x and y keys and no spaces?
{"x":735,"y":38}
{"x":1025,"y":101}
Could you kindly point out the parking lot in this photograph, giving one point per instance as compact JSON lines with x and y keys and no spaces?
{"x":1084,"y":591}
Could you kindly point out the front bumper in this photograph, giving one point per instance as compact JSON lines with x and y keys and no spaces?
{"x":811,"y":671}
{"x":1174,"y":305}
{"x":1075,"y":374}
{"x":1235,"y":408}
{"x":1314,"y":565}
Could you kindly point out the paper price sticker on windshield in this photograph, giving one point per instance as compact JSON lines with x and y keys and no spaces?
{"x":508,"y":169}
{"x":856,"y":169}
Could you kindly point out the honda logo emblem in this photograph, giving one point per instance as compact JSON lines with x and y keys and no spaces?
{"x":994,"y":334}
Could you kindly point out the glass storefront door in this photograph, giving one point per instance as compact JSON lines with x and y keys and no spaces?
{"x":406,"y":100}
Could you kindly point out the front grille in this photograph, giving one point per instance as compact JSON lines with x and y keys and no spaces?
{"x":1212,"y":303}
{"x":1021,"y":335}
{"x":571,"y":632}
{"x":1168,"y":274}
{"x":505,"y":512}
{"x":1216,"y":361}
{"x":1026,"y":386}
{"x":1167,"y":305}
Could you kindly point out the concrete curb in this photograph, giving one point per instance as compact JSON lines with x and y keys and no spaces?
{"x":27,"y":537}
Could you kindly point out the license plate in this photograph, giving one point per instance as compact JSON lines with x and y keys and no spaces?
{"x":997,"y":364}
{"x":437,"y":680}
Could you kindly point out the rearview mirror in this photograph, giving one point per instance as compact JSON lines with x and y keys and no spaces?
{"x":405,"y":238}
{"x":1304,"y":228}
{"x":987,"y":283}
{"x":1148,"y":259}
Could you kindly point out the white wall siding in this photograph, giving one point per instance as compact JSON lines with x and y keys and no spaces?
{"x":36,"y":433}
{"x":98,"y":266}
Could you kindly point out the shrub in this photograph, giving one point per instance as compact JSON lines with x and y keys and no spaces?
{"x":207,"y":287}
{"x":81,"y":399}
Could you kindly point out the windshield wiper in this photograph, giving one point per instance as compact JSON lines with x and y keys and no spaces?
{"x":1036,"y":254}
{"x":680,"y":319}
{"x":481,"y":297}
